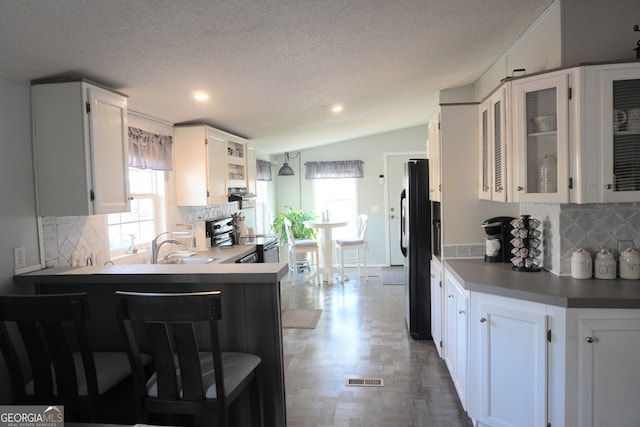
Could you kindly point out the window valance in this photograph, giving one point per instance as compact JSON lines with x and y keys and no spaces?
{"x":149,"y":150}
{"x":263,"y":170}
{"x":334,"y":169}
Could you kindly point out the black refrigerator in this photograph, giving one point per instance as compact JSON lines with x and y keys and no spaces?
{"x":415,"y":243}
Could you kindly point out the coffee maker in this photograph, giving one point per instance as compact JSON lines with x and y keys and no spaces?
{"x":497,"y":243}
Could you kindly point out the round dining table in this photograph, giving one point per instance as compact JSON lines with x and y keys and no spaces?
{"x":327,"y":269}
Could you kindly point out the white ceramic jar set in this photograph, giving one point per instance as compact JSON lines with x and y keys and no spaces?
{"x":605,"y":266}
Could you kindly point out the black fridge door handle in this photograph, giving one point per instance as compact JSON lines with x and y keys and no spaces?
{"x":403,"y":197}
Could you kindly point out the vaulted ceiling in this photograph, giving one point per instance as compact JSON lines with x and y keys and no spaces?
{"x":272,"y":68}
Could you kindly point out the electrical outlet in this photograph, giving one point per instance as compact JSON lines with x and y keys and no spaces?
{"x":19,"y":258}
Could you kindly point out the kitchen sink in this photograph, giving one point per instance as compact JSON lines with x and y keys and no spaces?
{"x":185,"y":260}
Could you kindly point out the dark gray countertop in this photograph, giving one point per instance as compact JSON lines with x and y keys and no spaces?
{"x":543,"y":287}
{"x":222,"y":270}
{"x":269,"y":273}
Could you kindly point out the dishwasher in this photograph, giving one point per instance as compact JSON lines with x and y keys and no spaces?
{"x":248,"y":259}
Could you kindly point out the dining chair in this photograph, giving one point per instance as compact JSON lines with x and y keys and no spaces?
{"x":52,"y":331}
{"x":358,"y":243}
{"x":192,"y":377}
{"x":301,"y":246}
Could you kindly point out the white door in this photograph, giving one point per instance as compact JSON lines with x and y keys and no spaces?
{"x":110,"y":153}
{"x":609,"y":374}
{"x":394,"y":182}
{"x":513,"y":366}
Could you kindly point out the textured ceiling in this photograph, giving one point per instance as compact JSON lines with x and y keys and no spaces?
{"x":272,"y":68}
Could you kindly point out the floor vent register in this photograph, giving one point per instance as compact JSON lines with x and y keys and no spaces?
{"x":365,"y":382}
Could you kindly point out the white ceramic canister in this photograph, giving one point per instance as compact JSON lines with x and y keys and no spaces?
{"x":605,"y":265}
{"x":630,"y":264}
{"x":581,"y":264}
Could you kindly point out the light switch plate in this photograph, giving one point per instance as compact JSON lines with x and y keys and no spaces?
{"x":19,"y":258}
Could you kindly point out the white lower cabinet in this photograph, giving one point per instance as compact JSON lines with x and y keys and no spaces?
{"x":532,"y":364}
{"x":607,"y":343}
{"x":455,"y":306}
{"x":436,"y":305}
{"x":508,"y":354}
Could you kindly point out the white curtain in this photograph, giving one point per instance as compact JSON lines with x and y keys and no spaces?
{"x":149,"y":150}
{"x":334,"y":169}
{"x":263,"y":170}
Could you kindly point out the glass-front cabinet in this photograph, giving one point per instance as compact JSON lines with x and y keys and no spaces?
{"x":541,"y":138}
{"x":494,"y":146}
{"x":620,"y":133}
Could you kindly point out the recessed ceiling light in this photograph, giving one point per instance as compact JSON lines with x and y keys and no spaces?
{"x":337,"y":108}
{"x":201,"y":96}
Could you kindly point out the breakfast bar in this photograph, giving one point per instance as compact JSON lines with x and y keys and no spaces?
{"x":251,"y":309}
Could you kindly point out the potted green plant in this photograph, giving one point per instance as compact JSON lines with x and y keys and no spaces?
{"x":297,"y":218}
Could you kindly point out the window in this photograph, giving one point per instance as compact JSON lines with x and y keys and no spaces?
{"x":340,"y":198}
{"x":147,"y":189}
{"x":263,"y":215}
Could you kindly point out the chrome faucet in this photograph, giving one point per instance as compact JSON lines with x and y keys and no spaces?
{"x":155,"y":247}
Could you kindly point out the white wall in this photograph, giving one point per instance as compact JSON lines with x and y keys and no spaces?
{"x":599,"y":30}
{"x":369,"y":149}
{"x":17,"y":191}
{"x":18,"y":227}
{"x":462,"y":211}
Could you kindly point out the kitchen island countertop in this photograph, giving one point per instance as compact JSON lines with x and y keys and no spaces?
{"x":251,"y":307}
{"x":475,"y":275}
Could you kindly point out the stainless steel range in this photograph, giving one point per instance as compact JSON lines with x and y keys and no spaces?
{"x":220,"y":231}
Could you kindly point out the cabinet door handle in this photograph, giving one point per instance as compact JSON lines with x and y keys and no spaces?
{"x":519,"y":188}
{"x":461,"y":312}
{"x":483,"y":319}
{"x":450,"y":296}
{"x":608,"y":186}
{"x":589,"y":339}
{"x":130,"y":198}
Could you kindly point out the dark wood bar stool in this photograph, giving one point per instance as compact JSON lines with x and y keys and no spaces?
{"x":52,"y":330}
{"x":188,"y":380}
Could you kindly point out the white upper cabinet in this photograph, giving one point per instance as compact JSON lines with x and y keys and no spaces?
{"x":80,"y":136}
{"x":207,"y":163}
{"x":236,"y":163}
{"x":611,"y":130}
{"x":251,"y":169}
{"x":435,"y":190}
{"x":494,"y":141}
{"x":541,"y":138}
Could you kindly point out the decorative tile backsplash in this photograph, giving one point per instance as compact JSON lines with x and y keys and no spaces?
{"x":75,"y":240}
{"x":595,"y":227}
{"x":463,"y":251}
{"x":567,"y":227}
{"x":84,"y":240}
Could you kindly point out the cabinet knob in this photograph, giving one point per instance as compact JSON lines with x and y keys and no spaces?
{"x":519,"y":188}
{"x":608,"y":186}
{"x":461,"y":312}
{"x":450,"y":296}
{"x":483,"y":319}
{"x":589,"y":339}
{"x":130,"y":198}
